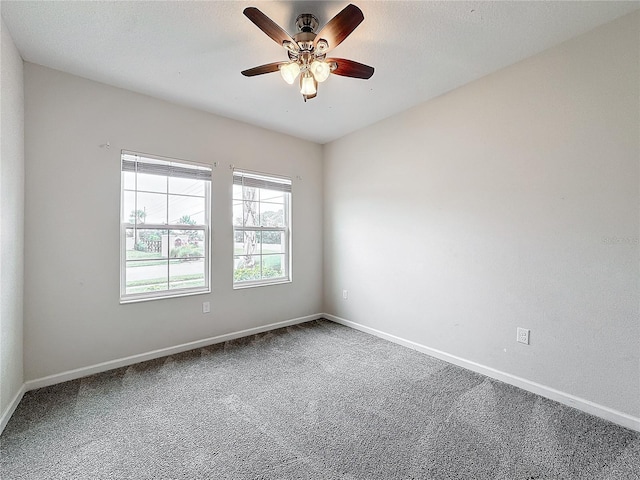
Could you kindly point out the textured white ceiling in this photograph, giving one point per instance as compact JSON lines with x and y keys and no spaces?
{"x":192,"y":53}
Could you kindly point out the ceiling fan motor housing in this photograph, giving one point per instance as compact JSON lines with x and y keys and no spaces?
{"x":307,"y":22}
{"x":305,"y":37}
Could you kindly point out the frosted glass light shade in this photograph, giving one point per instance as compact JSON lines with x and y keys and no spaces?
{"x":320,"y":70}
{"x":308,"y":84}
{"x":289,"y":72}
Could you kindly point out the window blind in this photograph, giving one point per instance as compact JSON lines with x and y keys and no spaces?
{"x":155,"y":166}
{"x":260,"y":181}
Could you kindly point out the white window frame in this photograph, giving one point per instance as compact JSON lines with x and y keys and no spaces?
{"x":177,"y":168}
{"x":271,"y":182}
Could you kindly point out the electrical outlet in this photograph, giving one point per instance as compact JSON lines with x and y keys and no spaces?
{"x":523,"y":336}
{"x":206,"y":307}
{"x":345,"y":294}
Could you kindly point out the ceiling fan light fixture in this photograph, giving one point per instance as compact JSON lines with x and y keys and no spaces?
{"x":320,"y":70}
{"x":289,"y":72}
{"x":308,"y":85}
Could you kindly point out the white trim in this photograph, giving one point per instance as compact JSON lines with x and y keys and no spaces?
{"x":615,"y":416}
{"x":260,"y":283}
{"x":15,"y":401}
{"x":163,"y":352}
{"x":149,"y":296}
{"x":587,"y":406}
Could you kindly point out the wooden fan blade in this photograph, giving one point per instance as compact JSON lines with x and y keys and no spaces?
{"x":340,"y":26}
{"x":349,"y":68}
{"x":268,"y":68}
{"x":268,"y":26}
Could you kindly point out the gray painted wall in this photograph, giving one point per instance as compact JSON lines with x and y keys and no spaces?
{"x":73,"y":317}
{"x":12,"y":219}
{"x":512,"y":201}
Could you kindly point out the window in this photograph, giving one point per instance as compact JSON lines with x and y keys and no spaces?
{"x":261,"y":229}
{"x":165,"y":206}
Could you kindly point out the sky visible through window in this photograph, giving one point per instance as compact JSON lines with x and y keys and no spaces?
{"x":184,"y":198}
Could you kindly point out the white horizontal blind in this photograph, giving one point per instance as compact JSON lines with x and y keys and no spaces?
{"x":254,"y":180}
{"x":156,"y":166}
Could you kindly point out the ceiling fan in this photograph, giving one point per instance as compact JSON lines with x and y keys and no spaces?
{"x":307,"y":50}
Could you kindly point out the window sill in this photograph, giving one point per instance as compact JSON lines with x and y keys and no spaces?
{"x":124,"y":301}
{"x":242,"y":286}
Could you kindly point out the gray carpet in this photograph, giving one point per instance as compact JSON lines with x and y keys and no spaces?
{"x":313,"y":401}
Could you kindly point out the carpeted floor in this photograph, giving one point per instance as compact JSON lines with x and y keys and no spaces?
{"x":313,"y":401}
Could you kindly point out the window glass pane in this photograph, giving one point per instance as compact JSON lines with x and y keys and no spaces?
{"x":187,"y":273}
{"x":143,"y":278}
{"x":152,"y":183}
{"x":238,"y":242}
{"x":237,"y":213}
{"x":250,"y":213}
{"x":272,"y":266}
{"x":237,"y":192}
{"x":246,"y":268}
{"x":271,"y":214}
{"x":186,"y":244}
{"x":152,"y":208}
{"x":196,"y":237}
{"x":246,"y":242}
{"x":129,"y":208}
{"x":272,"y":196}
{"x":146,"y":244}
{"x":238,"y":237}
{"x":186,"y":186}
{"x":129,"y":180}
{"x":186,"y":210}
{"x":273,"y":242}
{"x":250,"y":243}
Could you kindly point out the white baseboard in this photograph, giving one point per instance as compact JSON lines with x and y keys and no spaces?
{"x":163,"y":352}
{"x":586,"y":406}
{"x":6,"y":415}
